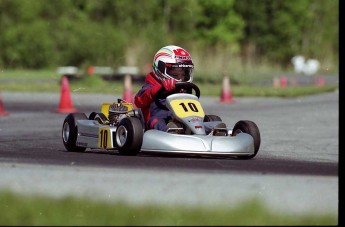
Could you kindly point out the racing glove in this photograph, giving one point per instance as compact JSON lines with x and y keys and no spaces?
{"x":169,"y":84}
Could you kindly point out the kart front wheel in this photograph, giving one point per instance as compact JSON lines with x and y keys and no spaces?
{"x":129,"y":136}
{"x":210,"y":117}
{"x":252,"y":129}
{"x":70,"y":132}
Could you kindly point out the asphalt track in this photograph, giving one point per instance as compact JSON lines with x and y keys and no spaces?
{"x":296,"y":169}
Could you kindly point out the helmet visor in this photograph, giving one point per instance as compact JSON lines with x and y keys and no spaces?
{"x":179,"y":71}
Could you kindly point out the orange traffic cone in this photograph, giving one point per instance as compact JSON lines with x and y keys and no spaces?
{"x":90,"y":70}
{"x":2,"y":111}
{"x":66,"y":105}
{"x":283,"y":81}
{"x":226,"y":94}
{"x":320,"y":81}
{"x":128,"y":93}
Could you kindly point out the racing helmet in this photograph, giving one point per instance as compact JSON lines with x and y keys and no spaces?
{"x":172,"y":60}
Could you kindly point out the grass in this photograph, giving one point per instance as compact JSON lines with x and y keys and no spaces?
{"x":49,"y":81}
{"x":22,"y":210}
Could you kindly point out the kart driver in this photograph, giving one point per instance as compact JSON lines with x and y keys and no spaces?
{"x":170,"y":64}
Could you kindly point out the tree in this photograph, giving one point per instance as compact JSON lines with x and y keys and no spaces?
{"x":276,"y":30}
{"x":219,"y":22}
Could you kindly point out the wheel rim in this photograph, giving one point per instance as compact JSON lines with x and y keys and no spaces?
{"x":121,"y":136}
{"x":65,"y":132}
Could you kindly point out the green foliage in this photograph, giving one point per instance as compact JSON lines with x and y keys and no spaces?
{"x":219,"y":22}
{"x":43,"y":211}
{"x":37,"y":34}
{"x":279,"y":30}
{"x":88,"y":43}
{"x":27,"y":45}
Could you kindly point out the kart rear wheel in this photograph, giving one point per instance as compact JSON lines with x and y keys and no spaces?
{"x":70,"y":132}
{"x":252,"y":129}
{"x":129,"y":136}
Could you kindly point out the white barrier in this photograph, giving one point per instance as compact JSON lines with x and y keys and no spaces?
{"x":67,"y":70}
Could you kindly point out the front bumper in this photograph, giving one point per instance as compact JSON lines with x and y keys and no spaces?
{"x":159,"y":141}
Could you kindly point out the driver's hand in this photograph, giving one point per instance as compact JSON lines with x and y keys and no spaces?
{"x":169,"y":84}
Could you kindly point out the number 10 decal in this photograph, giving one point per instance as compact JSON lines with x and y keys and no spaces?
{"x":191,"y":106}
{"x":104,"y":138}
{"x":187,"y":108}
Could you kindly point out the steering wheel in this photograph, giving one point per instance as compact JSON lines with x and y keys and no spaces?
{"x":162,"y":94}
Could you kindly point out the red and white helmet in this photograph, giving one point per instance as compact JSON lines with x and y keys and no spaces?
{"x":170,"y":58}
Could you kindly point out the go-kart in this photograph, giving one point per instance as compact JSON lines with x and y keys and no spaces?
{"x":120,"y":126}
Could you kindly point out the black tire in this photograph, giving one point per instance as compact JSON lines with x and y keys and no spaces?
{"x":99,"y":117}
{"x":129,"y":136}
{"x":92,"y":116}
{"x":209,"y":118}
{"x":252,"y":129}
{"x":70,"y":132}
{"x":138,"y":113}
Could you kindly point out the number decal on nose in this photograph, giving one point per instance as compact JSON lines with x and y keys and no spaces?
{"x":191,"y":106}
{"x":187,"y":107}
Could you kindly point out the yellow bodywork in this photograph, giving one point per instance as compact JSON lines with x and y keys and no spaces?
{"x":105,"y":107}
{"x":187,"y":107}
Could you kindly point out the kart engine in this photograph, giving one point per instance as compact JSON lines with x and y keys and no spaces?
{"x":116,"y":112}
